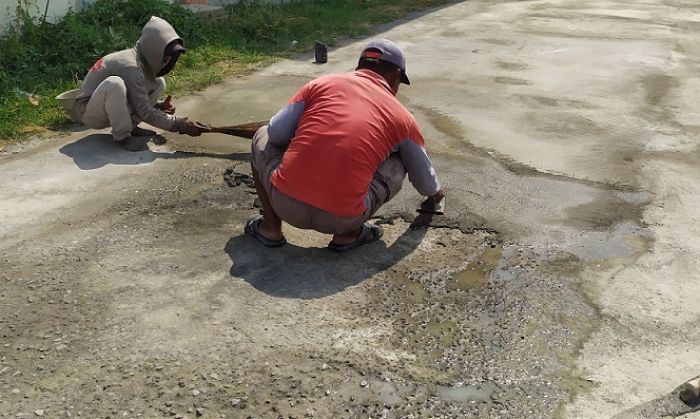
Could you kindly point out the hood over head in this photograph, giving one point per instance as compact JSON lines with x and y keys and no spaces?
{"x":173,"y":50}
{"x":156,"y":35}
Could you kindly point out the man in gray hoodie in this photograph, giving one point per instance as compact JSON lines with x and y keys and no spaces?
{"x":123,"y":88}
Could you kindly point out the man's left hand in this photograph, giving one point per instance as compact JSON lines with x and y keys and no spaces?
{"x":167,"y":105}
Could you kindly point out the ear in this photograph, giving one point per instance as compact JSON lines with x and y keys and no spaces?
{"x":395,"y":80}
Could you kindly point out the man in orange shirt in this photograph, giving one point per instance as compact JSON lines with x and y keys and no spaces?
{"x":339,"y":150}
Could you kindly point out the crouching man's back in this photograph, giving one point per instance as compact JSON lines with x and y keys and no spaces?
{"x":339,"y":150}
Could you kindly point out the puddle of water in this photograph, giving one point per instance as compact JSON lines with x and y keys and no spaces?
{"x":414,"y":291}
{"x":385,"y":391}
{"x":624,"y":240}
{"x":393,"y":393}
{"x":442,"y":332}
{"x":389,"y":393}
{"x":476,"y":273}
{"x":468,"y":278}
{"x":474,"y":392}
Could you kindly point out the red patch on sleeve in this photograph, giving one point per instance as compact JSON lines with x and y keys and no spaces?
{"x":97,"y":66}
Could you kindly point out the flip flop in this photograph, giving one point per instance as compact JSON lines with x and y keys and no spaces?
{"x":251,"y":229}
{"x":142,"y":132}
{"x":362,"y":239}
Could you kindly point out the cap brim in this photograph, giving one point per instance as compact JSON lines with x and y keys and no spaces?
{"x":178,"y":49}
{"x":404,"y":78}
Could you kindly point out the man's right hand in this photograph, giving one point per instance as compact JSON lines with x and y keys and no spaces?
{"x":439,"y":195}
{"x":167,"y":105}
{"x":192,"y":128}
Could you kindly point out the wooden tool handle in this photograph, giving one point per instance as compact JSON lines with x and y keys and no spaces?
{"x":247,"y":130}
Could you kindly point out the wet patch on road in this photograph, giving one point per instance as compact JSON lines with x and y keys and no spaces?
{"x":606,"y":211}
{"x":511,"y":80}
{"x":506,"y":65}
{"x":554,"y":102}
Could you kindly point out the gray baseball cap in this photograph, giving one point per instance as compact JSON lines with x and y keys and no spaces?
{"x":386,"y":50}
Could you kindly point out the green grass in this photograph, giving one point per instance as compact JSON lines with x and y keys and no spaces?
{"x":39,"y":59}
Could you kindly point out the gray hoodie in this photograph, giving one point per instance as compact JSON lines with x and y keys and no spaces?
{"x":138,"y":68}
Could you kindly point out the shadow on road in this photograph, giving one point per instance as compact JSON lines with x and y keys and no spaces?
{"x":308,"y":273}
{"x":98,"y":150}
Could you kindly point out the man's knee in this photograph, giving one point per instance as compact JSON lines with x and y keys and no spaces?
{"x":108,"y":101}
{"x":257,"y":146}
{"x":159,"y":90}
{"x":115,"y":84}
{"x":387,"y":182}
{"x":391,"y":173}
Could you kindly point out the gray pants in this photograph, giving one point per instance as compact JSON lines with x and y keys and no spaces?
{"x":109,"y":107}
{"x":387,"y":182}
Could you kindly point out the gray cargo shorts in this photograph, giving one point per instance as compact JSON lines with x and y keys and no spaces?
{"x":387,"y":182}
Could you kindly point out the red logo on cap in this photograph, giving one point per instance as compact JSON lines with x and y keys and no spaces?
{"x":373,"y":54}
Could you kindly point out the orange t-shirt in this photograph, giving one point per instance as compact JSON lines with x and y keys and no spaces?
{"x":350,"y":123}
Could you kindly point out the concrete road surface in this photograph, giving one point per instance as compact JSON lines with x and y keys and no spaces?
{"x":563,"y":280}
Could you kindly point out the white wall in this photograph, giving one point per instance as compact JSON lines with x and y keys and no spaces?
{"x":57,"y":8}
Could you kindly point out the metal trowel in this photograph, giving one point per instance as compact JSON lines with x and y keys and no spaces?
{"x":430,"y":206}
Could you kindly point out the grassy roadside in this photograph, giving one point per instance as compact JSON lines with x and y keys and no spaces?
{"x":39,"y":59}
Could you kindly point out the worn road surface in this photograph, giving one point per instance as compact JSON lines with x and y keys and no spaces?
{"x":563,"y":282}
